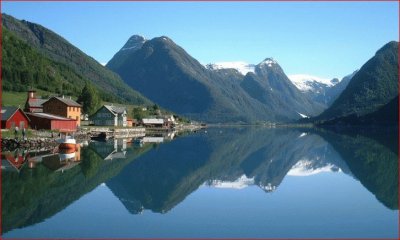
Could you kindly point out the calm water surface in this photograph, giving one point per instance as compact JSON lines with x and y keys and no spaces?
{"x":222,"y":182}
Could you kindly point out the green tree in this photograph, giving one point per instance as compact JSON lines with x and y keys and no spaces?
{"x":137,"y":113}
{"x":155,"y":107}
{"x":89,"y":98}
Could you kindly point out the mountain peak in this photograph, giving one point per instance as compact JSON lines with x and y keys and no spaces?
{"x":388,"y":47}
{"x":137,"y":37}
{"x":134,"y":43}
{"x":268,"y":62}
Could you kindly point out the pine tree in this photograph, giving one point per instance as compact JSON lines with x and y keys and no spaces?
{"x":89,"y":98}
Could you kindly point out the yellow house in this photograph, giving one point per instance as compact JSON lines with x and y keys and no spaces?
{"x":65,"y":107}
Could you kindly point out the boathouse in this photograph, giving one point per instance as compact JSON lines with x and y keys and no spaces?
{"x":12,"y":117}
{"x":51,"y":122}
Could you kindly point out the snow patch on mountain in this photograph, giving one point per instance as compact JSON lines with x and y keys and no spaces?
{"x":304,"y":167}
{"x":305,"y":82}
{"x":241,"y":67}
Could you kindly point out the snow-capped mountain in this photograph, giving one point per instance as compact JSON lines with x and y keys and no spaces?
{"x":268,"y":62}
{"x":311,"y":83}
{"x":134,"y":43}
{"x":321,"y":90}
{"x":241,"y":67}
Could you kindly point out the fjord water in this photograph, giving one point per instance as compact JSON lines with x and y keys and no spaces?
{"x":219,"y":182}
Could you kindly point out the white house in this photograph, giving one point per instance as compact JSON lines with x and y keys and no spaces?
{"x":109,"y":115}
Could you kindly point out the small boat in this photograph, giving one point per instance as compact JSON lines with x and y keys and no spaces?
{"x":66,"y":141}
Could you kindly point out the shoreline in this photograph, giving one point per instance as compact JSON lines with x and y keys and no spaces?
{"x":45,"y":140}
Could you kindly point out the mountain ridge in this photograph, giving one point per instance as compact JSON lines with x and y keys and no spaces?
{"x":206,"y":95}
{"x":59,"y":51}
{"x":374,"y":85}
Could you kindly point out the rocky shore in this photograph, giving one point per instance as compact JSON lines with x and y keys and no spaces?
{"x":45,"y":140}
{"x":41,"y":140}
{"x":8,"y":144}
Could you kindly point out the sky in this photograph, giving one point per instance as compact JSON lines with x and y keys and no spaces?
{"x":325,"y":39}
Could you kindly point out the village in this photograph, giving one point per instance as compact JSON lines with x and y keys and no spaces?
{"x":49,"y":117}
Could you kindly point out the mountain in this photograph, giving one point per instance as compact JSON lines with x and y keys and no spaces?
{"x":387,"y":115}
{"x":323,"y":91}
{"x":132,"y":45}
{"x":270,"y":86}
{"x":310,"y":83}
{"x":373,"y":86}
{"x":165,"y":73}
{"x":23,"y":66}
{"x":42,"y":59}
{"x":320,"y":90}
{"x":333,"y":93}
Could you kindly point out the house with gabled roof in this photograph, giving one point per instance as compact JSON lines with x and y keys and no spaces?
{"x":64,"y":107}
{"x":12,"y":117}
{"x":109,"y":115}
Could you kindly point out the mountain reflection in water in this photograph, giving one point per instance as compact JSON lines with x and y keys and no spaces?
{"x":160,"y":176}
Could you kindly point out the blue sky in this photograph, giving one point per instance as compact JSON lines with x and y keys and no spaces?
{"x":326,"y":39}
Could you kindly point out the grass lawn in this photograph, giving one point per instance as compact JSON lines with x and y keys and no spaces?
{"x":9,"y":133}
{"x":16,"y":99}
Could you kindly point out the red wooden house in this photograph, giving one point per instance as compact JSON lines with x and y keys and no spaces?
{"x":12,"y":117}
{"x":52,"y":122}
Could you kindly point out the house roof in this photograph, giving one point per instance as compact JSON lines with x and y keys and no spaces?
{"x":67,"y":101}
{"x":113,"y":109}
{"x":8,"y":112}
{"x":152,"y":121}
{"x":116,"y":109}
{"x":36,"y":102}
{"x":49,"y":116}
